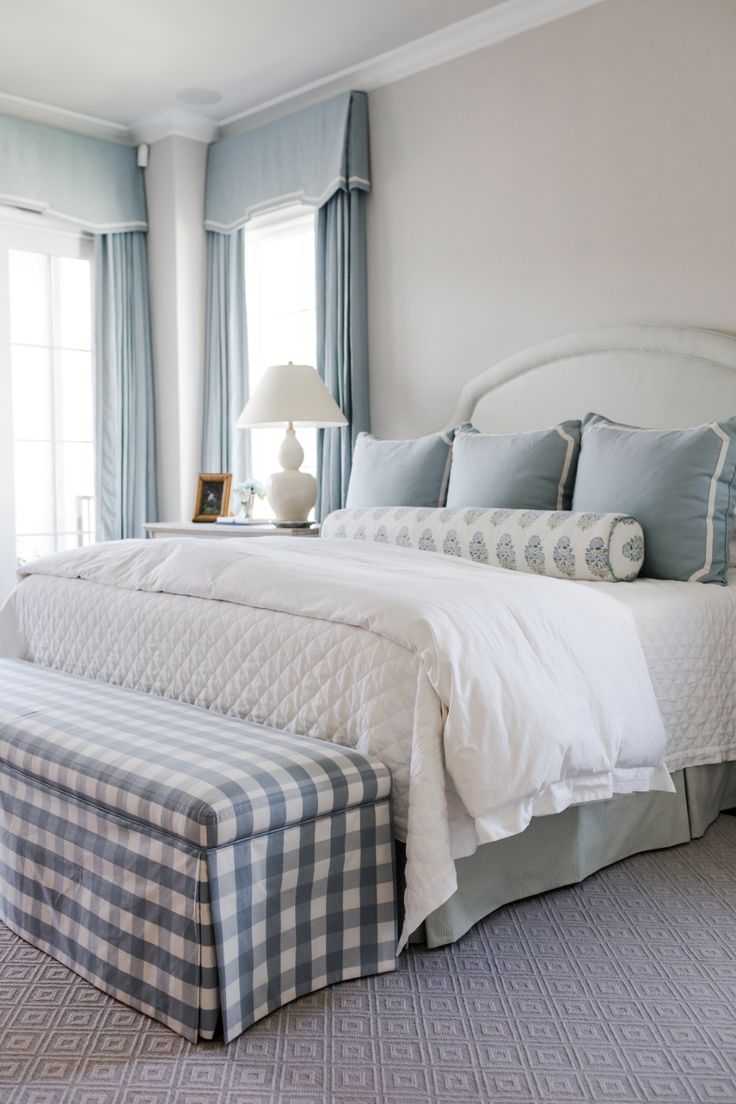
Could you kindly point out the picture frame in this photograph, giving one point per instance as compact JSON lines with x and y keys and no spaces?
{"x":213,"y":496}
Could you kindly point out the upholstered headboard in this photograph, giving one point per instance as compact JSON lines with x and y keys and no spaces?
{"x":660,"y":376}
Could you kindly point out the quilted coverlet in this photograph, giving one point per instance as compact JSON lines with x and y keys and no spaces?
{"x":492,"y":696}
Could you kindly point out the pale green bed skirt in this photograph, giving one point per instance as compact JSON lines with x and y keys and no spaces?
{"x":563,"y":849}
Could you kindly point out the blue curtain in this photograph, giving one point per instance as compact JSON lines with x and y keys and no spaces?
{"x":126,"y":461}
{"x":319,"y":157}
{"x":224,"y":448}
{"x":342,"y":338}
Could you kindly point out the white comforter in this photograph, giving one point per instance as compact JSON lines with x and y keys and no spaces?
{"x":530,"y":694}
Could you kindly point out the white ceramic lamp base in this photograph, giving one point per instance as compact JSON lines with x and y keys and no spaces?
{"x":291,"y":493}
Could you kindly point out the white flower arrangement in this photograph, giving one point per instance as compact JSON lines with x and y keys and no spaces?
{"x":246,"y":493}
{"x":250,"y":488}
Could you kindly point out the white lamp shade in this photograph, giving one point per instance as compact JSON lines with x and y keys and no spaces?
{"x":291,"y":393}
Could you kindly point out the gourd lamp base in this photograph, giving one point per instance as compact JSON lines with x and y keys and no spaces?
{"x":291,"y":493}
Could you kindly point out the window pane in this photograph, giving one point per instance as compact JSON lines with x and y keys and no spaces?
{"x":29,"y":298}
{"x":75,"y":467}
{"x":76,"y":417}
{"x":87,"y":520}
{"x":280,"y":283}
{"x":308,"y":438}
{"x":288,"y":337}
{"x":281,"y":272}
{"x":73,"y":540}
{"x":32,"y":548}
{"x":34,"y":488}
{"x":75,"y":324}
{"x":309,"y":282}
{"x":53,"y":408}
{"x":31,"y":382}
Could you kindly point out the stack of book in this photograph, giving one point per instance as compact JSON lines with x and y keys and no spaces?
{"x":266,"y":523}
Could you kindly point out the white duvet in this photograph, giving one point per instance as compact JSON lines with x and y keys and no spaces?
{"x":526,"y":694}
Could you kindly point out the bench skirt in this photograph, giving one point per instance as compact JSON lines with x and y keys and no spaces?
{"x":191,"y":936}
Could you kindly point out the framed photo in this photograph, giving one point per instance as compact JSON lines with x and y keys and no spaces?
{"x":213,"y":496}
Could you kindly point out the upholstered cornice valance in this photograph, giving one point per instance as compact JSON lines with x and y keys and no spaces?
{"x":92,"y":183}
{"x":304,"y":158}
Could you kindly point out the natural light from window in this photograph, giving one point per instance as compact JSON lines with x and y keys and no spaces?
{"x":53,"y":407}
{"x":282,"y":324}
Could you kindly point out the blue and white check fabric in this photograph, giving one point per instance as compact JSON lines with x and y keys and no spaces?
{"x":194,"y":866}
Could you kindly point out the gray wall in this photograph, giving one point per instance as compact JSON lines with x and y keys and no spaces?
{"x":580,"y":174}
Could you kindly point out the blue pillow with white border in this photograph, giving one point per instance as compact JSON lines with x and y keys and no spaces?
{"x":677,"y":483}
{"x":515,"y":471}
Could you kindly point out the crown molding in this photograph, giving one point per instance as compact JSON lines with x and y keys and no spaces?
{"x":509,"y":18}
{"x":169,"y":122}
{"x":504,"y":20}
{"x":62,"y":117}
{"x":174,"y":122}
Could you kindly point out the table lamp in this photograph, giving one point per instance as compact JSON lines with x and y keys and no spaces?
{"x":293,"y":394}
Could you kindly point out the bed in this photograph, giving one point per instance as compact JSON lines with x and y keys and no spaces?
{"x":295,"y":638}
{"x":657,"y":375}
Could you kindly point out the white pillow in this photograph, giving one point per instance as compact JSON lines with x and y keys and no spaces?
{"x":560,"y":544}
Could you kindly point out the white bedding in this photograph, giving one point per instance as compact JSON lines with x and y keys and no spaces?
{"x":688,"y":634}
{"x":493,"y":696}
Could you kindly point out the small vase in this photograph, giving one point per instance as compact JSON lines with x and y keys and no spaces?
{"x":246,"y":505}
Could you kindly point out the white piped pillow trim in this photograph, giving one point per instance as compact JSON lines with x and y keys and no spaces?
{"x":560,"y":544}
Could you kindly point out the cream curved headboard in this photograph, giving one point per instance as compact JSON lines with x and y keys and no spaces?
{"x":659,"y":376}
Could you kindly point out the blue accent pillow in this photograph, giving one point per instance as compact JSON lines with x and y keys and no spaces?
{"x":515,"y":471}
{"x":399,"y":473}
{"x":677,"y":483}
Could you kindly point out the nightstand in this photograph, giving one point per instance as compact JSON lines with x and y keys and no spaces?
{"x":211,"y":530}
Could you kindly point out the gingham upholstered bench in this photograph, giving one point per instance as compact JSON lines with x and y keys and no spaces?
{"x":194,"y":866}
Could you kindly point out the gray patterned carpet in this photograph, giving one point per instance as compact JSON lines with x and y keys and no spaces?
{"x":620,"y":989}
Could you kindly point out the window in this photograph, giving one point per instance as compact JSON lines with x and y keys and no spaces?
{"x":46,"y":384}
{"x":282,"y":323}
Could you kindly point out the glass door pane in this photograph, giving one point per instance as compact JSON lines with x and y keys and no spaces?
{"x":50,"y":331}
{"x":32,"y":394}
{"x":30,"y":307}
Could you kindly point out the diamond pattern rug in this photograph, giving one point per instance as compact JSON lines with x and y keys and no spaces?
{"x":621,"y":989}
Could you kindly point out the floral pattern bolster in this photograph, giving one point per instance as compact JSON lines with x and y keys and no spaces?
{"x":561,"y":544}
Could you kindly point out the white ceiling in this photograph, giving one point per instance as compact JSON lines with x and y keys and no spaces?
{"x":120,"y":60}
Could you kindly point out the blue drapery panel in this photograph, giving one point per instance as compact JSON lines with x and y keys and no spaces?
{"x":304,"y":158}
{"x":342,"y":339}
{"x":224,"y":448}
{"x":98,"y":187}
{"x":95,"y":184}
{"x":126,"y":461}
{"x":318,"y":157}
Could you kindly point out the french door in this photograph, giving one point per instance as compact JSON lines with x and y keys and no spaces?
{"x":47,"y":465}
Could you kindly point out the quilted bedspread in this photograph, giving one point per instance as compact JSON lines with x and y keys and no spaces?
{"x":492,"y":696}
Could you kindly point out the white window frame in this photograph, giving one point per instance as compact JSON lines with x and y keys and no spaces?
{"x":23,"y":231}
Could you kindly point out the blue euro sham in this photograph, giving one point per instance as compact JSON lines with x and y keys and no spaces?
{"x":399,"y":473}
{"x":515,"y":471}
{"x":677,"y":483}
